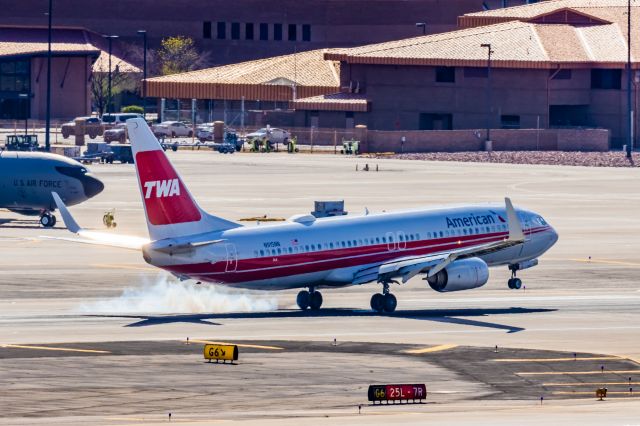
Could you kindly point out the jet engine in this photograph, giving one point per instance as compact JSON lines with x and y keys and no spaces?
{"x":462,"y":274}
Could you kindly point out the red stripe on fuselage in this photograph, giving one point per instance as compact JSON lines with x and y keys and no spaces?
{"x":269,"y":267}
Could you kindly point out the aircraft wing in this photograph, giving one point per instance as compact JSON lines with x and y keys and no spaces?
{"x":409,"y":266}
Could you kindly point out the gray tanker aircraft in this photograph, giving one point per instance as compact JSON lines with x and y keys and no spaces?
{"x":28,"y":178}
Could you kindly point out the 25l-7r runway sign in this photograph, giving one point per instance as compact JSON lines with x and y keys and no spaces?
{"x":379,"y":393}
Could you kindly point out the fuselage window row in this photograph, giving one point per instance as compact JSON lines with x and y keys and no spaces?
{"x":401,"y":237}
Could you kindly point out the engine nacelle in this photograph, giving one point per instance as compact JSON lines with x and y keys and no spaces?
{"x":462,"y":274}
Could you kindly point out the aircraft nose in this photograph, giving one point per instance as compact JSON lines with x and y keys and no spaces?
{"x":91,"y":185}
{"x":553,"y":236}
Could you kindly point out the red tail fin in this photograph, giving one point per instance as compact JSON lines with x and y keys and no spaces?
{"x":166,"y":199}
{"x":171,"y":210}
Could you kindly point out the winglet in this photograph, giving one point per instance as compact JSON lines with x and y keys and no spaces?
{"x":515,"y":227}
{"x":69,"y":221}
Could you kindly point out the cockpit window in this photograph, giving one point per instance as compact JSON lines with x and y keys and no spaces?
{"x":74,"y":172}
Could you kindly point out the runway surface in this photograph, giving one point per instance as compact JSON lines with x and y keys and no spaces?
{"x":584,"y":297}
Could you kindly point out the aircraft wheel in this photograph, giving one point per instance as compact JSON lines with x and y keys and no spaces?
{"x":303,"y":300}
{"x":46,"y":220}
{"x":315,"y":301}
{"x":510,"y":283}
{"x":389,"y":303}
{"x":517,"y":284}
{"x":53,"y":220}
{"x":377,"y":302}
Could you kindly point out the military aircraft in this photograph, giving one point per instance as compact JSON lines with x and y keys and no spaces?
{"x":28,"y":178}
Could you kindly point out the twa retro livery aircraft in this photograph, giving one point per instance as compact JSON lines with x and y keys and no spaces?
{"x":452,"y":247}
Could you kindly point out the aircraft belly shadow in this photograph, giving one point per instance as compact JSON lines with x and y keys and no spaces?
{"x":438,"y":315}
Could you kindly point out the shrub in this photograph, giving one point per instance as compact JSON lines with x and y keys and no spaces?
{"x":133,"y":109}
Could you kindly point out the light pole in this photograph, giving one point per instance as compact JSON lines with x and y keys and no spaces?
{"x":628,"y":71}
{"x":488,"y":96}
{"x":47,"y":127}
{"x":422,"y":25}
{"x":143,"y":33}
{"x":110,"y":38}
{"x":25,"y":97}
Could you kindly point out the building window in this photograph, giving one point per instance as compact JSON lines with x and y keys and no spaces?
{"x":221,"y":32}
{"x":431,"y":121}
{"x":606,"y":79}
{"x":510,"y":121}
{"x":563,"y":74}
{"x":569,"y":115}
{"x":264,"y":31}
{"x":235,"y":31}
{"x":306,"y":32}
{"x":445,"y":74}
{"x":293,"y":32}
{"x":248,"y":31}
{"x":475,"y":72}
{"x":15,"y":82}
{"x":206,"y":29}
{"x":277,"y":32}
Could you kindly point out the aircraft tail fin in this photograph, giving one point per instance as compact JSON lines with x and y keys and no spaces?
{"x":170,"y":209}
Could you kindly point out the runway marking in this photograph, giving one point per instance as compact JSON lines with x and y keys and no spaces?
{"x":634,"y":395}
{"x":122,"y":266}
{"x":48,"y":348}
{"x":595,"y":358}
{"x":207,"y":342}
{"x":591,"y":384}
{"x":576,"y":373}
{"x":606,"y":262}
{"x":430,"y":349}
{"x":156,"y":421}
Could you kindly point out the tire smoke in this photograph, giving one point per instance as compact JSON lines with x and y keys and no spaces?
{"x":170,"y":296}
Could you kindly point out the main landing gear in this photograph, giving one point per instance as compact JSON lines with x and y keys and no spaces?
{"x":514,"y":283}
{"x":47,"y":220}
{"x":385,"y":302}
{"x":309,"y":299}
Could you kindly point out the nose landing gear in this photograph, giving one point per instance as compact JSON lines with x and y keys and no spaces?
{"x":47,"y":220}
{"x":309,"y":299}
{"x":385,"y":302}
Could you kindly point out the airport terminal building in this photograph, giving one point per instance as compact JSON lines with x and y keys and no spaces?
{"x":76,"y":55}
{"x":242,"y":30}
{"x":440,"y":81}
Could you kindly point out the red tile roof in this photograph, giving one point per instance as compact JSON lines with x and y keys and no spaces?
{"x":333,"y":102}
{"x":263,"y":79}
{"x":515,"y":44}
{"x":20,"y":41}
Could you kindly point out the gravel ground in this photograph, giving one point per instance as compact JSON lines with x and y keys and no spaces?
{"x":587,"y":159}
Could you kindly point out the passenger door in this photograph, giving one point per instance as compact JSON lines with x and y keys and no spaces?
{"x":392,"y":245}
{"x":232,"y":258}
{"x":402,"y":240}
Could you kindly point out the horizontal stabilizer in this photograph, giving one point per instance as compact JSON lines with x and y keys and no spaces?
{"x":171,"y":246}
{"x":95,"y":237}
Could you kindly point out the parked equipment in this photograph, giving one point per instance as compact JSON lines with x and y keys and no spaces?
{"x":106,"y":153}
{"x":22,"y":143}
{"x":109,"y":219}
{"x":292,"y":145}
{"x":329,"y":209}
{"x":350,"y":147}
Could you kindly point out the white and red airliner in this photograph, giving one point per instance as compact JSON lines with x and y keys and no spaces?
{"x":451,"y":247}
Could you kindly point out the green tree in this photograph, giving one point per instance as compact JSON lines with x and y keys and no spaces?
{"x":133,"y":109}
{"x":179,"y":54}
